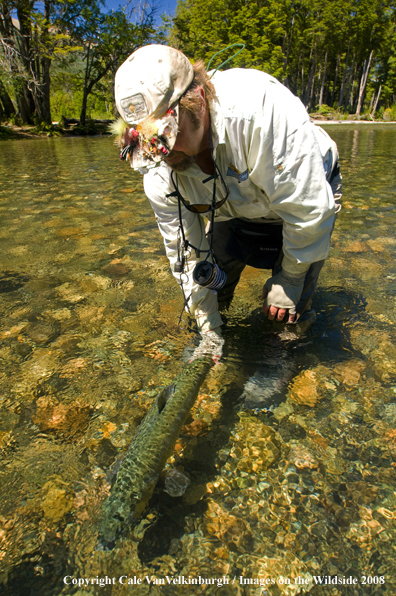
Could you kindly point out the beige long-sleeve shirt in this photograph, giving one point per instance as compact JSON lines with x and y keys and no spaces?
{"x":274,"y":161}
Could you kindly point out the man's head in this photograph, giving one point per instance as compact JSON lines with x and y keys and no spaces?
{"x":164,"y":100}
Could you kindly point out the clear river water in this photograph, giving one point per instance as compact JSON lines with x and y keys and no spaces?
{"x":288,"y":460}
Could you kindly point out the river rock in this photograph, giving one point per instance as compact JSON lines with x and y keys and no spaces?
{"x":381,"y":243}
{"x":258,"y":446}
{"x":227,"y":528}
{"x":304,"y":389}
{"x":356,"y":246}
{"x":283,"y":411}
{"x":56,"y":502}
{"x":176,"y":483}
{"x":301,"y":456}
{"x":42,"y":333}
{"x":349,"y":372}
{"x":70,"y":420}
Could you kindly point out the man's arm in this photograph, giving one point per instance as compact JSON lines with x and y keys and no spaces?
{"x":295,"y":183}
{"x":201,"y":301}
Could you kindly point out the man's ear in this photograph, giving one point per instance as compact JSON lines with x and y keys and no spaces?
{"x":200,"y":91}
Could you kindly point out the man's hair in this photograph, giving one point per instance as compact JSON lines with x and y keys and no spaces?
{"x":190,"y":101}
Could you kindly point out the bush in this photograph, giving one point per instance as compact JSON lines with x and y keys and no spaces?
{"x":324,"y":109}
{"x":390,"y":114}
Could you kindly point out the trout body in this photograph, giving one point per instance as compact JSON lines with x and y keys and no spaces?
{"x":151,"y":446}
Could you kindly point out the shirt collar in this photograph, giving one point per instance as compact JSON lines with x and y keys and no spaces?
{"x":217,"y":125}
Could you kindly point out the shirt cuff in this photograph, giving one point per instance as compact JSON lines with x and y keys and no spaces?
{"x":294,"y":268}
{"x":208,"y":322}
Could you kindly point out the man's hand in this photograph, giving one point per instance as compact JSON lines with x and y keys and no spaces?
{"x":281,"y":293}
{"x":211,"y":344}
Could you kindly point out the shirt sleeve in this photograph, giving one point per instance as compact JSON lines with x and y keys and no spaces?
{"x":202,"y":303}
{"x":286,"y":162}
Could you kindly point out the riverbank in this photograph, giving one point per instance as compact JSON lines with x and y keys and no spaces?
{"x":101,"y":127}
{"x":69,"y":127}
{"x":321,"y":120}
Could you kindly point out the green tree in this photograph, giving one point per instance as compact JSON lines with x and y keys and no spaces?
{"x":29,"y":40}
{"x":33,"y":33}
{"x":107,"y":39}
{"x":203,"y":27}
{"x":324,"y":51}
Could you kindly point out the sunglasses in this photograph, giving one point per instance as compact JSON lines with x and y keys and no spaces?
{"x":203,"y":207}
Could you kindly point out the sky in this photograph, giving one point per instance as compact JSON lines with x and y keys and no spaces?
{"x":164,"y":7}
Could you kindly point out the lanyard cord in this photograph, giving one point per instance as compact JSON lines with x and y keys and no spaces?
{"x":187,"y":243}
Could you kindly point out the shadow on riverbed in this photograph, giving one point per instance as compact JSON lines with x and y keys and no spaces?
{"x":280,"y":355}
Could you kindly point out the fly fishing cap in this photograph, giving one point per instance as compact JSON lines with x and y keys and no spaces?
{"x":148,"y":86}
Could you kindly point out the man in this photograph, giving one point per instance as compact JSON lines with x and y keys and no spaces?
{"x":239,"y":149}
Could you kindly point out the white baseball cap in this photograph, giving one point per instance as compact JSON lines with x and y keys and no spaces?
{"x":148,"y":86}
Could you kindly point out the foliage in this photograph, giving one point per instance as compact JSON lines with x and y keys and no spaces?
{"x":107,"y":40}
{"x":390,"y":113}
{"x":59,"y":57}
{"x":30,"y":38}
{"x":325,"y":52}
{"x":76,"y":35}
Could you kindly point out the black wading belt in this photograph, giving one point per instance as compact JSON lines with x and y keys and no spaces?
{"x":255,"y":244}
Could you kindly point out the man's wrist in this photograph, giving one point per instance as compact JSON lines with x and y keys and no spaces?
{"x":292,"y":277}
{"x":294,"y":269}
{"x":208,"y":322}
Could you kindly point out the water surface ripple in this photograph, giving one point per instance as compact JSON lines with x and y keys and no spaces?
{"x":288,"y":459}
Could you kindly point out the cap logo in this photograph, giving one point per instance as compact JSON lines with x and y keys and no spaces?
{"x":134,"y":107}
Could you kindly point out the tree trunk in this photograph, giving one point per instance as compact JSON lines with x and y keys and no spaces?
{"x":351,"y":82}
{"x":335,"y":80}
{"x":363,"y":83}
{"x":5,"y":99}
{"x":318,"y":89}
{"x":83,"y":114}
{"x":376,"y":100}
{"x":298,"y":74}
{"x":41,"y":93}
{"x":323,"y":81}
{"x":289,"y":41}
{"x":307,"y":92}
{"x":344,"y":79}
{"x":36,"y":65}
{"x":351,"y":99}
{"x":25,"y":103}
{"x":312,"y":94}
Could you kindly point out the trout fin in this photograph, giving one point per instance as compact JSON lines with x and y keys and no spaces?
{"x":165,"y":396}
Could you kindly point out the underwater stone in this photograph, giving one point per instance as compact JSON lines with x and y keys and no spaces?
{"x":176,"y":483}
{"x":56,"y":502}
{"x":284,"y":410}
{"x":301,"y":456}
{"x":349,"y":372}
{"x":304,"y":389}
{"x":258,"y":447}
{"x":42,"y":333}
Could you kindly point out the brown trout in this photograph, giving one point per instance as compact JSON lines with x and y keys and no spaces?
{"x":151,"y":446}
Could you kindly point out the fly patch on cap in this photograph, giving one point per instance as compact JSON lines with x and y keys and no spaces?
{"x":134,"y":107}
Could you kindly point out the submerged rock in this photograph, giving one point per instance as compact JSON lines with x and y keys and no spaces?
{"x":70,"y":420}
{"x":258,"y":447}
{"x":230,"y":529}
{"x":301,"y":456}
{"x":176,"y":483}
{"x":42,"y":333}
{"x":56,"y":502}
{"x":349,"y":372}
{"x":304,"y":389}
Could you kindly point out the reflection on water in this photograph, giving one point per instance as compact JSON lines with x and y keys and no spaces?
{"x":289,"y":456}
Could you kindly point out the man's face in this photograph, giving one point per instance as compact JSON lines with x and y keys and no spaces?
{"x":192,"y":138}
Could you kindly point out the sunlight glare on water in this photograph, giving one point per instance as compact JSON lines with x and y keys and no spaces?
{"x":288,"y":459}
